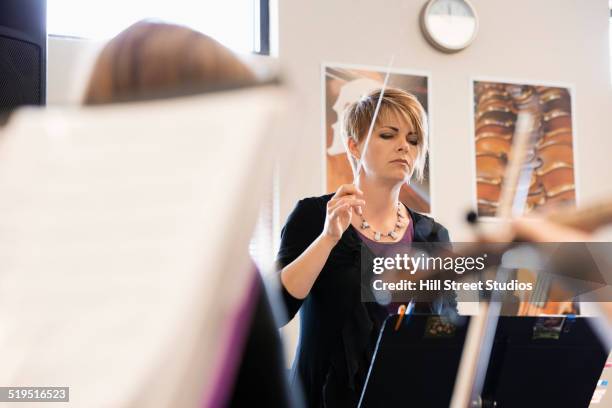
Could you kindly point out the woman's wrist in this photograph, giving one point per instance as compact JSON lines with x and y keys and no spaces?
{"x":328,"y":241}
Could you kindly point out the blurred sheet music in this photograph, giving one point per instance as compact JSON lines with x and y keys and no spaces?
{"x":123,"y":243}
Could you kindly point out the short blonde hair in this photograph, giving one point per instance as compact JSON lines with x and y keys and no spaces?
{"x":357,"y":118}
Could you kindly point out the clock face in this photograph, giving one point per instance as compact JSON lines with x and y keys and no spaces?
{"x":450,"y":24}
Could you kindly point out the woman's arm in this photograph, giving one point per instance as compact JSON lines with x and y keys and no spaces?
{"x":299,"y":276}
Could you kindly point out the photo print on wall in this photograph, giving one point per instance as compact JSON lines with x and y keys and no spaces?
{"x":344,"y":84}
{"x":550,"y":156}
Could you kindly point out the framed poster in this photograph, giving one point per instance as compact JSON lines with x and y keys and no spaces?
{"x":550,"y":155}
{"x":345,"y":84}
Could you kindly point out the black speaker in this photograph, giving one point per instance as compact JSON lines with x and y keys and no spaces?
{"x":23,"y":53}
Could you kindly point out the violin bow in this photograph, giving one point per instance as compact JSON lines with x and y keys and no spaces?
{"x":481,"y":331}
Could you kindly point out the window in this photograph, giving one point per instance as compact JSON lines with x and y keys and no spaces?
{"x":242,"y":25}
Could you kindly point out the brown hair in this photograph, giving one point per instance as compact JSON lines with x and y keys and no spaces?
{"x":152,"y":58}
{"x":357,"y":118}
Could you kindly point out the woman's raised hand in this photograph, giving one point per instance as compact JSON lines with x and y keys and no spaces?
{"x":340,"y":210}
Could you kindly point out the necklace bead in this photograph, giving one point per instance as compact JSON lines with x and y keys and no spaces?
{"x":393,"y":234}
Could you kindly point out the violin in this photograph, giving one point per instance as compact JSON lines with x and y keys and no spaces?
{"x":548,"y":180}
{"x":479,"y":338}
{"x":555,"y":99}
{"x":550,"y":151}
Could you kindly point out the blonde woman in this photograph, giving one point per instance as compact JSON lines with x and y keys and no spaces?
{"x":319,"y":257}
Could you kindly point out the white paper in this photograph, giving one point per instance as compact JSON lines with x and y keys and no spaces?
{"x":123,"y":243}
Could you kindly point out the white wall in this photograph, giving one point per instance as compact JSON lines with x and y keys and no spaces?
{"x":560,"y":41}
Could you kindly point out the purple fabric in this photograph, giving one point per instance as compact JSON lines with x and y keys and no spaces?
{"x":235,"y":336}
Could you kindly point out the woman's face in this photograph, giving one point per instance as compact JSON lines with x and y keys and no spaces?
{"x":392,"y":150}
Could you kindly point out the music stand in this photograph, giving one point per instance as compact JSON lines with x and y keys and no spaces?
{"x":410,"y":365}
{"x":536,"y":369}
{"x":529,"y":367}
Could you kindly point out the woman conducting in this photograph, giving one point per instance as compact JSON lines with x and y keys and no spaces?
{"x":319,"y":255}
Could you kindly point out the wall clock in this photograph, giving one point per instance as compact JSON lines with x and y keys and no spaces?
{"x":449,"y":25}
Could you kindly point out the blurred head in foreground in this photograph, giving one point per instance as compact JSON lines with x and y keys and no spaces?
{"x":153,"y":59}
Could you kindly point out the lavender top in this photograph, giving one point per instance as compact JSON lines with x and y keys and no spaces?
{"x":389,"y":249}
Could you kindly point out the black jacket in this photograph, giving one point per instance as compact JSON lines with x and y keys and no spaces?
{"x":338,"y":332}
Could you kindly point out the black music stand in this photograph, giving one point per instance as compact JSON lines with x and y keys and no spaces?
{"x":534,"y":368}
{"x":412,"y":368}
{"x":528,"y":367}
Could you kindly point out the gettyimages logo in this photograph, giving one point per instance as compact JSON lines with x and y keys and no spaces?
{"x":423,"y":261}
{"x":426,"y":271}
